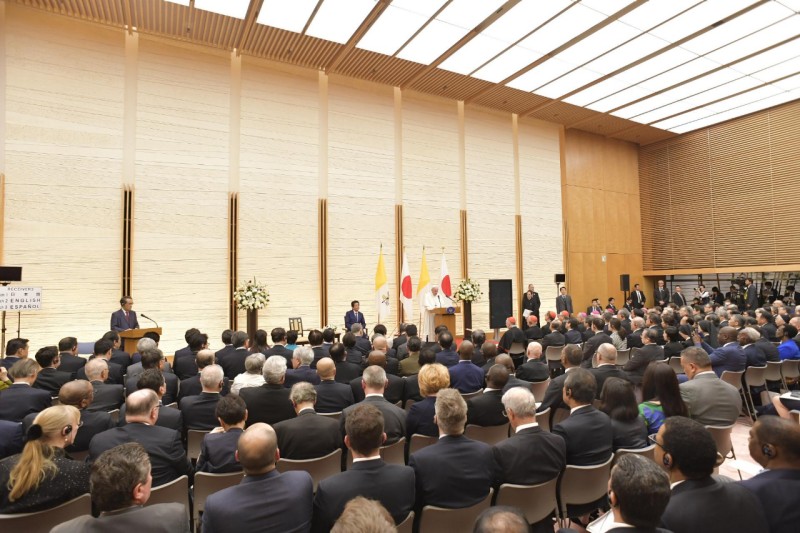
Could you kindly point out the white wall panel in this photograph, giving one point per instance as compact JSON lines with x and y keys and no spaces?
{"x":279,"y":191}
{"x":180,"y":235}
{"x":64,"y":166}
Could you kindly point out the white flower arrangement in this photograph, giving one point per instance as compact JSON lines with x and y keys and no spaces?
{"x":334,"y":328}
{"x":251,"y":295}
{"x":468,"y":291}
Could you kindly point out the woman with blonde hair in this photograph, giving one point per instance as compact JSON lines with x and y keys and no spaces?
{"x":42,"y":476}
{"x":432,"y":378}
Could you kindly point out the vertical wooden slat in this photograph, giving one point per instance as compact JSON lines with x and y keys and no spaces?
{"x":398,"y":258}
{"x":323,"y":261}
{"x":519,"y":256}
{"x":464,"y":245}
{"x":2,"y":213}
{"x":233,"y":258}
{"x":127,"y":240}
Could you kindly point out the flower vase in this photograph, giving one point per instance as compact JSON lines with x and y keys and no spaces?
{"x":466,"y":310}
{"x":252,"y":325}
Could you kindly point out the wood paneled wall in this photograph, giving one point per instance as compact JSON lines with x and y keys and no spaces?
{"x":601,"y":217}
{"x":720,"y":199}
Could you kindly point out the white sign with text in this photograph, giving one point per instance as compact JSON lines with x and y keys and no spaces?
{"x":20,"y":298}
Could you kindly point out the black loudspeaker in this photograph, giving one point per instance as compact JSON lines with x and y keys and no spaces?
{"x":500,"y":302}
{"x":561,"y":278}
{"x":10,"y":273}
{"x":625,"y":282}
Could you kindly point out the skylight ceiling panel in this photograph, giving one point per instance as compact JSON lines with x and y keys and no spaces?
{"x":628,"y":53}
{"x":230,"y":8}
{"x":794,"y":5}
{"x":699,"y":17}
{"x":789,"y":84}
{"x":289,"y":16}
{"x":455,"y":21}
{"x":780,"y":70}
{"x":568,"y":25}
{"x":651,"y":14}
{"x":514,"y":59}
{"x":769,"y":58}
{"x":615,"y":100}
{"x":757,"y":41}
{"x":474,"y":54}
{"x":336,"y":20}
{"x":596,"y":92}
{"x":563,"y":85}
{"x":397,"y":24}
{"x":538,"y":76}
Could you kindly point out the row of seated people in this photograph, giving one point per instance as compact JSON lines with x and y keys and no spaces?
{"x":455,"y":472}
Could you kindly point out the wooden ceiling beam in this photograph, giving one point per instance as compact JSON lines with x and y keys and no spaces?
{"x":247,"y":27}
{"x":365,"y":25}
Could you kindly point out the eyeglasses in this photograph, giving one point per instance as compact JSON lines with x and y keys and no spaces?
{"x":652,"y":438}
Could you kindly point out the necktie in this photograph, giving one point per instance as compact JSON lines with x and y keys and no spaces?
{"x":127,"y":317}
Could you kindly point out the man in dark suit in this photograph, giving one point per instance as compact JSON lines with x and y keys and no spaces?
{"x":107,"y":396}
{"x":354,"y":316}
{"x":678,"y":298}
{"x":218,"y":450}
{"x":466,"y":377}
{"x":573,"y":334}
{"x":513,"y":381}
{"x":649,"y":352}
{"x":402,"y":349}
{"x":775,"y":445}
{"x":401,"y":338}
{"x":661,"y":296}
{"x":11,"y":441}
{"x":598,"y":337}
{"x":168,"y":417}
{"x":531,"y":302}
{"x":295,"y":439}
{"x":270,"y":402}
{"x":595,"y":307}
{"x":16,"y":350}
{"x":244,"y":508}
{"x":125,"y":317}
{"x":315,"y":344}
{"x":232,"y":363}
{"x":345,"y":370}
{"x":68,"y":355}
{"x":426,"y":357}
{"x":381,"y":344}
{"x":199,"y":412}
{"x":118,"y":356}
{"x":635,"y":338}
{"x":533,"y":332}
{"x":554,"y":337}
{"x":374,"y":382}
{"x":49,"y":379}
{"x":391,"y":485}
{"x":185,"y":365}
{"x":362,"y":343}
{"x":605,"y":359}
{"x":163,"y":445}
{"x":447,"y":357}
{"x":637,"y":297}
{"x":750,"y":295}
{"x":487,"y":409}
{"x":227,"y":347}
{"x":154,"y":360}
{"x":103,"y":349}
{"x":571,"y":357}
{"x":766,"y":322}
{"x":279,"y":345}
{"x":587,"y":431}
{"x":455,"y":472}
{"x":121,"y":486}
{"x":564,"y":302}
{"x":688,"y":453}
{"x":191,"y":386}
{"x":395,"y":388}
{"x":533,"y":369}
{"x":21,"y":399}
{"x":301,"y":368}
{"x":187,"y":350}
{"x":332,"y":397}
{"x":513,"y":335}
{"x":729,"y":355}
{"x":79,"y":394}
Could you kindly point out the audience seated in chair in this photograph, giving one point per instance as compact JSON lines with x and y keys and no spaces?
{"x":362,"y":514}
{"x":308,"y":436}
{"x":218,"y":450}
{"x":103,"y":349}
{"x":487,"y":409}
{"x":533,"y":369}
{"x":661,"y":396}
{"x":154,"y":360}
{"x":252,"y":377}
{"x":332,"y":396}
{"x":50,"y":378}
{"x":301,"y":368}
{"x":21,"y":399}
{"x":345,"y":370}
{"x":466,"y":377}
{"x":374,"y":383}
{"x":270,"y":402}
{"x":199,"y":411}
{"x":447,"y":356}
{"x":513,"y":380}
{"x":395,"y":386}
{"x":107,"y":396}
{"x":68,"y":355}
{"x":432,"y":379}
{"x":232,"y":359}
{"x":79,"y":394}
{"x":410,"y":364}
{"x":618,"y":401}
{"x":588,"y":432}
{"x":279,"y":342}
{"x":571,"y":358}
{"x":502,"y":519}
{"x":168,"y":417}
{"x":605,"y":366}
{"x":710,"y":401}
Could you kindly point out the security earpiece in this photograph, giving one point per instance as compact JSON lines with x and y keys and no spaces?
{"x":67,"y":429}
{"x":667,"y":460}
{"x":767,"y":450}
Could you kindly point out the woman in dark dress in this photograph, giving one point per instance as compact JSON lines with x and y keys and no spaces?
{"x":618,"y":401}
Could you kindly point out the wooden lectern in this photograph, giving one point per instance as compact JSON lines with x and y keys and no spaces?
{"x":131,"y":336}
{"x":443,"y":318}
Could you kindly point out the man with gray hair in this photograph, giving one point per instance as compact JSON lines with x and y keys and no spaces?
{"x":310,"y":435}
{"x":191,"y":386}
{"x":634,"y":339}
{"x":254,"y":365}
{"x":710,"y":401}
{"x":605,"y":366}
{"x":533,"y":369}
{"x":107,"y":396}
{"x":21,"y":399}
{"x":199,"y":412}
{"x":373,"y":383}
{"x":144,"y":344}
{"x":301,"y":369}
{"x":270,"y":402}
{"x":362,"y":343}
{"x":455,"y":472}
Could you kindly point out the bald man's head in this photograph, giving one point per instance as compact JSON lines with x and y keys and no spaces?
{"x":326,"y":368}
{"x":96,"y":369}
{"x":506,"y":361}
{"x":258,"y":449}
{"x":376,"y":358}
{"x":727,"y":334}
{"x":380,"y":343}
{"x":140,"y":404}
{"x":78,"y":393}
{"x":466,"y":350}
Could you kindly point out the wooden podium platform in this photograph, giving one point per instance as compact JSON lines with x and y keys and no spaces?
{"x":443,"y":318}
{"x":131,"y":337}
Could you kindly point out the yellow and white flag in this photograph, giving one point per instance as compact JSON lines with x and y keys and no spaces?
{"x":381,"y":290}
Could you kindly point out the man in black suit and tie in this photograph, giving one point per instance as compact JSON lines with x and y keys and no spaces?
{"x":185,"y":365}
{"x":598,"y":337}
{"x":362,"y":343}
{"x":401,"y":351}
{"x":554,"y":337}
{"x":270,"y":402}
{"x":564,"y":301}
{"x":533,"y":369}
{"x":154,"y":360}
{"x":401,"y":338}
{"x":678,"y":298}
{"x":605,"y":366}
{"x":16,"y":350}
{"x":354,"y":316}
{"x":199,"y":412}
{"x":163,"y":445}
{"x":68,"y":355}
{"x":218,"y":450}
{"x":168,"y":417}
{"x":227,"y":347}
{"x":244,"y":506}
{"x":21,"y":399}
{"x":649,"y":352}
{"x":125,"y":318}
{"x":571,"y":358}
{"x":345,"y":370}
{"x":80,"y":394}
{"x":661,"y":296}
{"x":107,"y":396}
{"x":232,"y":362}
{"x":391,"y":485}
{"x":374,"y":383}
{"x":587,"y":431}
{"x":191,"y":386}
{"x":455,"y":472}
{"x":279,"y":345}
{"x":688,"y":453}
{"x":118,"y":356}
{"x":487,"y":409}
{"x":637,"y":297}
{"x":634,"y":340}
{"x":395,"y":388}
{"x":315,"y":342}
{"x":103,"y":350}
{"x":447,"y":357}
{"x":332,"y":397}
{"x":49,"y":378}
{"x":531,"y":302}
{"x":309,"y":435}
{"x":750,"y":295}
{"x":301,"y":368}
{"x":595,"y":307}
{"x":186,"y":350}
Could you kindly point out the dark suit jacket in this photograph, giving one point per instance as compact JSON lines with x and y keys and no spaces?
{"x":220,"y":355}
{"x":167,"y":457}
{"x":630,"y":435}
{"x":50,"y":380}
{"x":122,"y":358}
{"x":185,"y":366}
{"x":466,"y":377}
{"x":635,"y":339}
{"x":355,"y":356}
{"x":350,"y":319}
{"x":553,"y":396}
{"x":20,"y":400}
{"x":92,"y":423}
{"x":573,"y":336}
{"x":590,"y":347}
{"x":294,"y":434}
{"x":554,"y":338}
{"x":533,"y":304}
{"x":268,"y":403}
{"x":157,"y":518}
{"x":770,"y":350}
{"x":447,"y":358}
{"x":486,"y":409}
{"x":395,"y":390}
{"x":734,"y":508}
{"x":347,"y":371}
{"x":729,"y":357}
{"x":777,"y":490}
{"x":564,"y":303}
{"x":605,"y":371}
{"x":245,"y":507}
{"x":636,"y":366}
{"x":673,"y":349}
{"x":192,"y":387}
{"x":512,"y":335}
{"x":233,"y":362}
{"x":750,"y":298}
{"x":363,"y":345}
{"x":10,"y":438}
{"x":71,"y":363}
{"x":639,"y":299}
{"x":399,"y":341}
{"x":170,"y":380}
{"x":391,"y":485}
{"x":394,"y":418}
{"x":319,"y":352}
{"x":529,"y":457}
{"x":420,"y":418}
{"x":114,"y":373}
{"x":106,"y":397}
{"x":533,"y":370}
{"x":199,"y":411}
{"x":301,"y":373}
{"x":589,"y":436}
{"x":218,"y":452}
{"x":412,"y":389}
{"x":534,"y":333}
{"x":168,"y":417}
{"x":120,"y":323}
{"x":280,"y":349}
{"x":455,"y":472}
{"x":661,"y":295}
{"x":679,"y":299}
{"x":333,"y":397}
{"x":9,"y":361}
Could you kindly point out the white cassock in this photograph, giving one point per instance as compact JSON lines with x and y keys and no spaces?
{"x":428,"y":324}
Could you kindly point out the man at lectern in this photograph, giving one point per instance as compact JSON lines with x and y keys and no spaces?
{"x":433,"y":300}
{"x":354,"y":316}
{"x":125,"y":318}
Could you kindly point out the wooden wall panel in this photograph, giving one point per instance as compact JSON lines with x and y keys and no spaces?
{"x":63,"y":221}
{"x":279,"y":184}
{"x":180,"y":235}
{"x":784,"y":147}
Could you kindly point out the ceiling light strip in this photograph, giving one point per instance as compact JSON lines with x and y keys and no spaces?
{"x":421,"y":28}
{"x":365,"y":25}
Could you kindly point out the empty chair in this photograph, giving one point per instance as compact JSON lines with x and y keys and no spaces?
{"x":206,"y":484}
{"x":176,"y":491}
{"x":553,"y":353}
{"x":648,"y":452}
{"x":722,"y":437}
{"x":538,"y":389}
{"x":734,"y":378}
{"x":583,"y":485}
{"x":491,"y":435}
{"x":407,"y":525}
{"x":194,"y":441}
{"x":394,"y":453}
{"x":436,"y":519}
{"x":675,"y":364}
{"x":753,"y":377}
{"x":543,"y":419}
{"x":418,"y":442}
{"x":296,"y":324}
{"x":319,"y":468}
{"x":790,"y":369}
{"x":623,"y":356}
{"x":48,"y":519}
{"x":537,"y":502}
{"x":773,"y":372}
